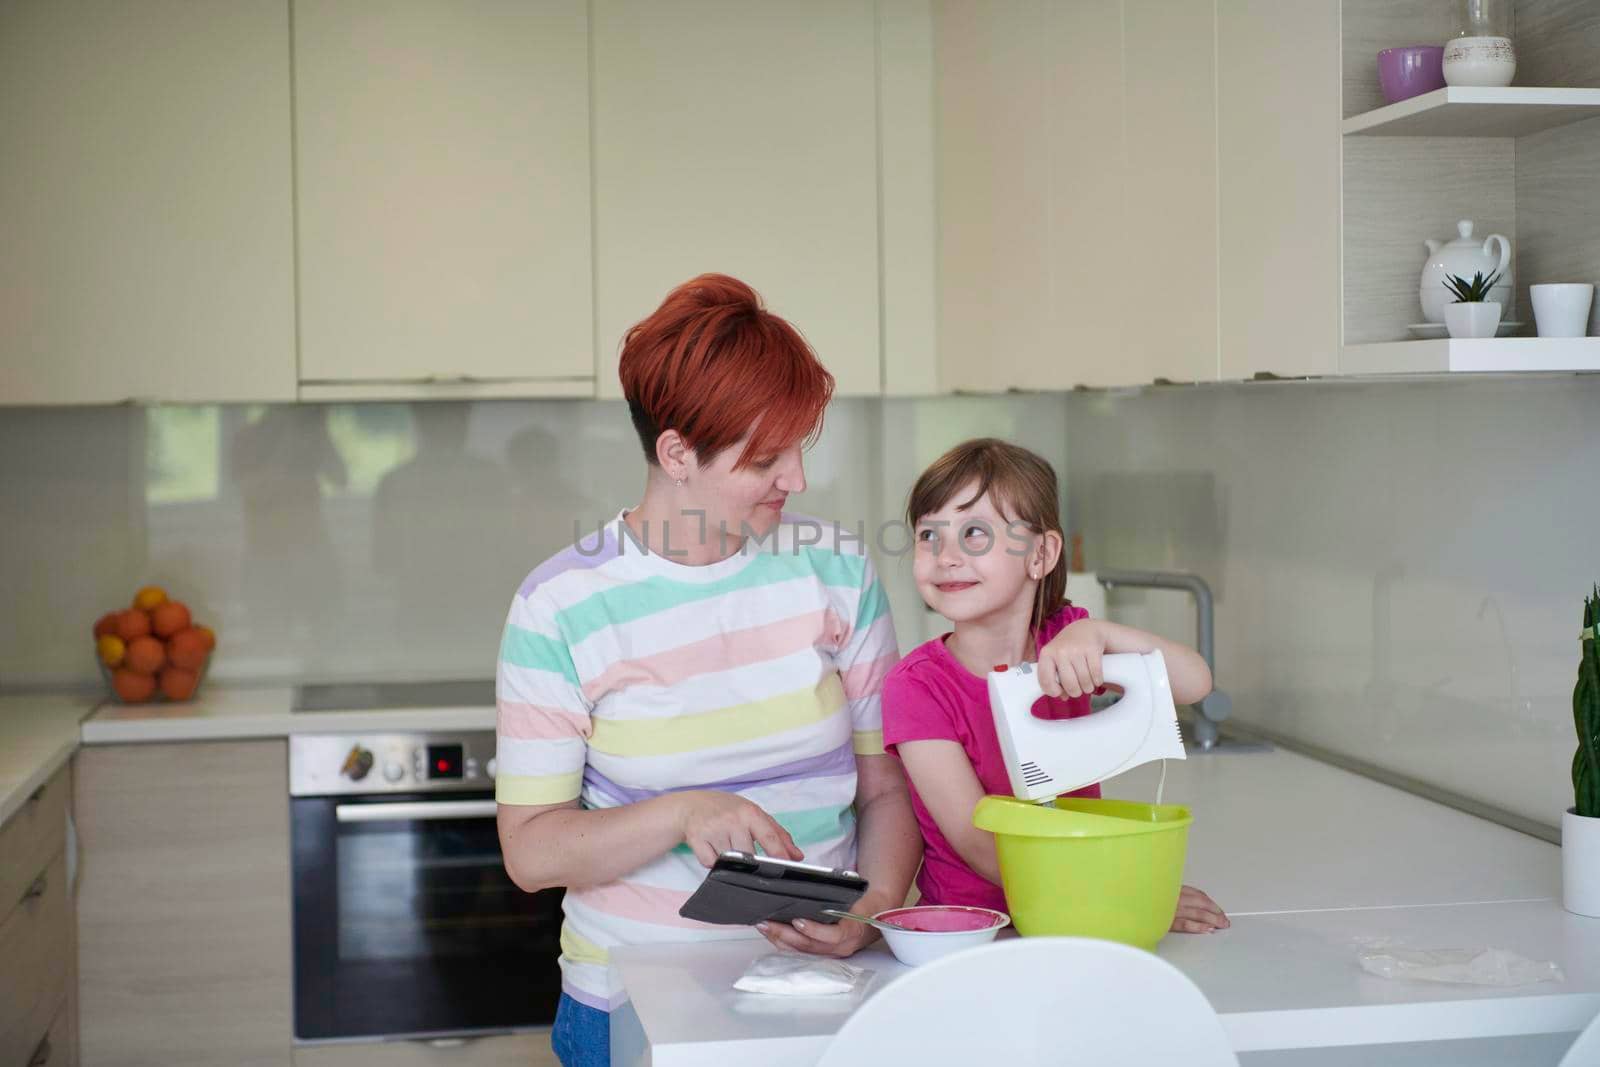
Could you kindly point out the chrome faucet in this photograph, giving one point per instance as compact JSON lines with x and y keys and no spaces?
{"x":1216,"y":705}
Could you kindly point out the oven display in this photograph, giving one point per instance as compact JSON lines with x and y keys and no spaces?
{"x":444,"y":761}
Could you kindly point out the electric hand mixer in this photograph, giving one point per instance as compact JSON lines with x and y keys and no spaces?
{"x":1048,"y":757}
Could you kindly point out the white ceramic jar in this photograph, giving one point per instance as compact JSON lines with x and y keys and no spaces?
{"x":1480,"y":61}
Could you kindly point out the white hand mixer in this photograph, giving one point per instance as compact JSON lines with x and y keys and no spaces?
{"x":1048,"y":757}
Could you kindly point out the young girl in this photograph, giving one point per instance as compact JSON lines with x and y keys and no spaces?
{"x":988,"y":558}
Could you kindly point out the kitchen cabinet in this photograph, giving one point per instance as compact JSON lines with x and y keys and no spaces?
{"x":739,"y":137}
{"x":145,"y":202}
{"x":1076,"y":171}
{"x":442,"y":168}
{"x":1278,"y":98}
{"x":183,"y":904}
{"x":37,"y":931}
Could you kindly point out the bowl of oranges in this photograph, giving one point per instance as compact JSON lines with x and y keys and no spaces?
{"x":152,"y":650}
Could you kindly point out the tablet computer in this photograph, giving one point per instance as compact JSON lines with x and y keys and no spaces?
{"x":742,"y":889}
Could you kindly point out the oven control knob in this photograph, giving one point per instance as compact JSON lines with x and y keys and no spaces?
{"x":491,"y":767}
{"x":357,"y":763}
{"x":393,"y":771}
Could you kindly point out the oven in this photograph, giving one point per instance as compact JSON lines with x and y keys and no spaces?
{"x":406,"y":925}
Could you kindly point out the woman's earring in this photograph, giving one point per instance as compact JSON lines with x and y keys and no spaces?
{"x":678,"y":483}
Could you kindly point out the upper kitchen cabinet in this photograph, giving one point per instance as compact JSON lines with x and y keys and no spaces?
{"x":1278,"y":79}
{"x":442,"y":165}
{"x":740,"y":137}
{"x":145,"y":202}
{"x":1076,"y":164}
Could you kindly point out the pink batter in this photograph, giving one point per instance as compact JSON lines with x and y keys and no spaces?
{"x":940,"y":919}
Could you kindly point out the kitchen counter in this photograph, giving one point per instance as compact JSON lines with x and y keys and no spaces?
{"x":1312,"y":863}
{"x":1275,"y":831}
{"x":228,"y":713}
{"x":38,"y":735}
{"x":1281,"y":983}
{"x":40,"y":732}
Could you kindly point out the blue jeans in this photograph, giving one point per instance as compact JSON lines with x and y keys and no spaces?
{"x":581,"y":1036}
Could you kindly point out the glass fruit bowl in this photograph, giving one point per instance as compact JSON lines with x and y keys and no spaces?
{"x":157,"y":695}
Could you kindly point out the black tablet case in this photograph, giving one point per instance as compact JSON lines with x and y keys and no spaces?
{"x":749,"y":890}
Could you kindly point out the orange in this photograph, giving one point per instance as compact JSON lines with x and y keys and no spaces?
{"x":111,"y":649}
{"x":150,"y":597}
{"x":208,"y":635}
{"x":187,"y":649}
{"x":133,"y":688}
{"x":178,"y":684}
{"x":167,"y":619}
{"x":145,"y":655}
{"x":132,"y":623}
{"x":106,"y":624}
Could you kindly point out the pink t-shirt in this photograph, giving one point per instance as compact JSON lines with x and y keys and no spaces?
{"x":930,"y":696}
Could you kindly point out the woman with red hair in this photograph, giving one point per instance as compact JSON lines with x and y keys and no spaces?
{"x":704,"y":675}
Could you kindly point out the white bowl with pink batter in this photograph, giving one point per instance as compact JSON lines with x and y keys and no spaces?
{"x":918,"y":935}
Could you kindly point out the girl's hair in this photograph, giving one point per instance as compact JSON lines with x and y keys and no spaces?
{"x":712,"y":363}
{"x":1021,"y":485}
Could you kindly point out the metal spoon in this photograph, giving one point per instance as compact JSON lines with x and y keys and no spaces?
{"x":880,"y":924}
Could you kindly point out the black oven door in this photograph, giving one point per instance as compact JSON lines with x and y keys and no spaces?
{"x":406,"y":924}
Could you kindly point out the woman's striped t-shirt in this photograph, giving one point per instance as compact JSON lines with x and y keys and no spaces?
{"x":624,"y":675}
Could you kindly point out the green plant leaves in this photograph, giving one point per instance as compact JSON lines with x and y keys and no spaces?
{"x":1586,"y":714}
{"x":1474,"y":292}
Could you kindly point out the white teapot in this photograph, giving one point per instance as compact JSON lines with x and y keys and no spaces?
{"x":1464,"y":257}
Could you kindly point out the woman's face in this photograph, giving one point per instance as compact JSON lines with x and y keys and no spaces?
{"x":752,"y":497}
{"x":969,"y":564}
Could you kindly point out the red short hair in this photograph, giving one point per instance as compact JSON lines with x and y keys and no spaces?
{"x":714,"y":364}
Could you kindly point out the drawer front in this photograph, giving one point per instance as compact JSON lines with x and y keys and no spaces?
{"x":31,"y":837}
{"x":35,"y":945}
{"x":508,"y":1050}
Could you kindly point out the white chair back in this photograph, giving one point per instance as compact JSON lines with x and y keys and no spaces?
{"x":1037,"y":1001}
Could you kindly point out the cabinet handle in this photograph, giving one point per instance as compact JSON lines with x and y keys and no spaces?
{"x":41,"y":1055}
{"x":36,"y":889}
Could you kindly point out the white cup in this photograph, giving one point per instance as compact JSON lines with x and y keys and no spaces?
{"x":1562,"y":310}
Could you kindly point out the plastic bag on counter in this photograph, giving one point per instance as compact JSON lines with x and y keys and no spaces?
{"x":1461,"y":966}
{"x":783,"y":974}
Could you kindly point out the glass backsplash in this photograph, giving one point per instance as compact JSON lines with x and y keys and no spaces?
{"x":378,"y":541}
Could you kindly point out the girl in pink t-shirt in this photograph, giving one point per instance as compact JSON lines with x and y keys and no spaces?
{"x":988,"y":558}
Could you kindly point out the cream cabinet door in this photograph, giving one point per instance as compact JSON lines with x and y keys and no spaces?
{"x":1278,"y":145}
{"x":146,"y":230}
{"x":1166,"y":252}
{"x":739,"y":136}
{"x":1077,"y":193}
{"x":442,"y":161}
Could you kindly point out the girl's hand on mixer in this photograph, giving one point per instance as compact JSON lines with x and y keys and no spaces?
{"x":1069,"y":666}
{"x":1197,"y":913}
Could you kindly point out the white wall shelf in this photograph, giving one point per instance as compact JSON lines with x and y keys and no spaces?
{"x":1474,"y":112}
{"x":1504,"y":355}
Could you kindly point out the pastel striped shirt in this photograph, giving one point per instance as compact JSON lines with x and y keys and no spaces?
{"x":624,"y":675}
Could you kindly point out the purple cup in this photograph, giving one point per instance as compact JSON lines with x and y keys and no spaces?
{"x":1410,"y":71}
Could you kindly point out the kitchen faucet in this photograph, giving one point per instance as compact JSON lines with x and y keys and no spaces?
{"x":1216,"y":705}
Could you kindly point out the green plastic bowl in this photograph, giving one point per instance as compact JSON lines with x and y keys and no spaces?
{"x":1084,"y":867}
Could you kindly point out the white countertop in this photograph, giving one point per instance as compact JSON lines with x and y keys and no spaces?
{"x":1287,"y":980}
{"x":38,"y":734}
{"x":1274,"y":831}
{"x":231,"y":713}
{"x":1312,"y":863}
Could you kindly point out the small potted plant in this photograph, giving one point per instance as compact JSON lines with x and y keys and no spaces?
{"x":1472,"y":314}
{"x":1580,"y":826}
